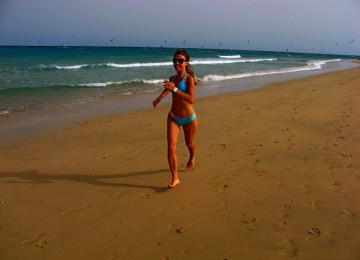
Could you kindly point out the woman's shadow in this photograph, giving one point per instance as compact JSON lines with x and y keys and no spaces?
{"x":33,"y":176}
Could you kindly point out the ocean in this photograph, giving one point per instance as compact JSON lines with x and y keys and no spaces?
{"x":41,"y":78}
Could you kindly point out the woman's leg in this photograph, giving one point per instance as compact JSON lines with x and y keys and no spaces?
{"x":173,"y":130}
{"x":189,"y":132}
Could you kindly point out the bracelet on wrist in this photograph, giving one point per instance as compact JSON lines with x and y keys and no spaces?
{"x":174,"y":90}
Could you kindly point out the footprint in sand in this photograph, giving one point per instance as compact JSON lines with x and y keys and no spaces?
{"x":223,"y":207}
{"x":36,"y":241}
{"x":118,"y":194}
{"x":346,"y":212}
{"x":336,"y":187}
{"x":41,"y":244}
{"x":248,"y":220}
{"x":112,"y":256}
{"x":349,"y":165}
{"x":181,"y":207}
{"x":69,"y":212}
{"x":280,"y":226}
{"x":345,"y":154}
{"x":287,"y":247}
{"x":159,"y":212}
{"x":180,"y":230}
{"x":305,"y":189}
{"x":105,"y":156}
{"x":314,"y":231}
{"x":281,"y":214}
{"x":316,"y":204}
{"x":279,"y":185}
{"x":145,"y":196}
{"x":288,"y":204}
{"x":223,"y":146}
{"x":250,"y":191}
{"x":259,"y":172}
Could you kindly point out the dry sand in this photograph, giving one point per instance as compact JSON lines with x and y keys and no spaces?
{"x":277,"y":176}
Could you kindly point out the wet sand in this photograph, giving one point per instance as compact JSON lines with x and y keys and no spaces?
{"x":277,"y":175}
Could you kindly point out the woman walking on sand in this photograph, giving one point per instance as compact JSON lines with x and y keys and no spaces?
{"x":182,"y":87}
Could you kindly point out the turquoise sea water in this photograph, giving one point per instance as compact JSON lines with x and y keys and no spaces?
{"x":33,"y":78}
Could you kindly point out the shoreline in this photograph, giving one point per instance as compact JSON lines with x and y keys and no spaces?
{"x":27,"y":123}
{"x":277,"y":176}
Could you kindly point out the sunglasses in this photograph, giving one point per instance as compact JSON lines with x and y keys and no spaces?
{"x":180,"y":61}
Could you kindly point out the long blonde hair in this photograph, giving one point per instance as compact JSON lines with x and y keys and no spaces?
{"x":189,"y":69}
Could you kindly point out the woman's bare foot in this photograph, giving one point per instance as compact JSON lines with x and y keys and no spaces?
{"x":174,"y":183}
{"x":190,"y":165}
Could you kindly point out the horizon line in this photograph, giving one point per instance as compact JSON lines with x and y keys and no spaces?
{"x":64,"y":46}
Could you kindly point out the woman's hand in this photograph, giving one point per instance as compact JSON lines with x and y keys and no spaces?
{"x":169,"y":85}
{"x":156,"y":102}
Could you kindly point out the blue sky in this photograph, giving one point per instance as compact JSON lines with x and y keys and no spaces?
{"x":320,"y":26}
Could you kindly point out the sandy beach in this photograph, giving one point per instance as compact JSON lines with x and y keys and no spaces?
{"x":277,"y":176}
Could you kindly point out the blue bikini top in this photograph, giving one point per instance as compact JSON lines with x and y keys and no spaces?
{"x":182,"y":84}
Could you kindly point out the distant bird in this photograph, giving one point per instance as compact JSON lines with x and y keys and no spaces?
{"x":220,"y":44}
{"x":112,"y":40}
{"x":248,"y":41}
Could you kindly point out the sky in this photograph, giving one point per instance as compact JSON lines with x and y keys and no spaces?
{"x":310,"y":26}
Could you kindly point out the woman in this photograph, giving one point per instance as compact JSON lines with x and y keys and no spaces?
{"x":182,"y":86}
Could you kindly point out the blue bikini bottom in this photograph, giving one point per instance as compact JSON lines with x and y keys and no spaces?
{"x":181,"y":121}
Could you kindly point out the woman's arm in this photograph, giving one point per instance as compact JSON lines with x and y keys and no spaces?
{"x":163,"y":94}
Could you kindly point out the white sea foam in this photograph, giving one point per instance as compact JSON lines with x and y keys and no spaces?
{"x":134,"y":65}
{"x":153,"y":81}
{"x":195,"y":62}
{"x":222,"y":60}
{"x":4,"y":112}
{"x":230,"y":56}
{"x":71,"y":67}
{"x":318,"y":64}
{"x":228,"y":61}
{"x":312,"y":65}
{"x":109,"y":83}
{"x":99,"y":84}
